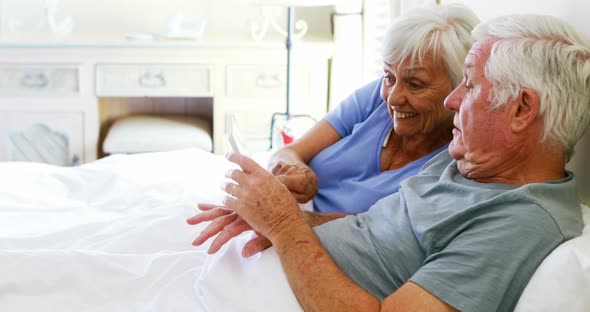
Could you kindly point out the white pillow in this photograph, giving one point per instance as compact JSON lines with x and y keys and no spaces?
{"x":562,"y":281}
{"x":228,"y":282}
{"x":142,"y":134}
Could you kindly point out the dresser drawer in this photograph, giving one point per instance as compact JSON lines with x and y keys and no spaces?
{"x":48,"y":137}
{"x":154,"y":80}
{"x":267,"y":81}
{"x":39,"y":79}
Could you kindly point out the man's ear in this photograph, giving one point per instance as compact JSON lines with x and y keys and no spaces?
{"x":526,"y":110}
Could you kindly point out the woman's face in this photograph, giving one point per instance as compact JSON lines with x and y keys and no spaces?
{"x":414,"y":93}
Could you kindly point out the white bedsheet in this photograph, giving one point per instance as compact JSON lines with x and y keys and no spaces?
{"x":107,"y":236}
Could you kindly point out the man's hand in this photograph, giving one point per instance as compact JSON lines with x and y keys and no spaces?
{"x":260,"y":198}
{"x":298,"y":178}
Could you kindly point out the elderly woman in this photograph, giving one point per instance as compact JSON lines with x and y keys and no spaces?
{"x":385,"y":131}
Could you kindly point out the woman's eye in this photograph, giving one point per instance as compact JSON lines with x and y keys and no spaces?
{"x":389,"y":79}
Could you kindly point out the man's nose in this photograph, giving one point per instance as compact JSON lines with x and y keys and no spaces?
{"x":453,"y":100}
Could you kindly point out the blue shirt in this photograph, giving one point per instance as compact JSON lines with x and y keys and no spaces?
{"x":349,"y":173}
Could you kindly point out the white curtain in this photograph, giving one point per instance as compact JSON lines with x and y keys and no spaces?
{"x":358,"y":34}
{"x":348,"y":52}
{"x":378,"y":14}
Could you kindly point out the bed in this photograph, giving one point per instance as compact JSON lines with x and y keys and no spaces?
{"x":111,"y":236}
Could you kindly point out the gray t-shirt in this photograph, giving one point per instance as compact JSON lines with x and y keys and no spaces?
{"x":473,"y":245}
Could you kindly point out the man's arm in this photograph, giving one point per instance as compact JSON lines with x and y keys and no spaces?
{"x":316,"y":280}
{"x":266,"y":205}
{"x":320,"y":285}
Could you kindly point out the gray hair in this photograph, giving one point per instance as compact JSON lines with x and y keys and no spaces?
{"x":547,"y":55}
{"x":444,"y":31}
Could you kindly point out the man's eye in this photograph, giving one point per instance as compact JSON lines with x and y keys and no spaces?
{"x":415,"y":86}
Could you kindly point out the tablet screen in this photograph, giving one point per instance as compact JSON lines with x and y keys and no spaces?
{"x":234,"y":137}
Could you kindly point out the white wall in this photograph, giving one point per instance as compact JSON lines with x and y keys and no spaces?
{"x":574,"y":11}
{"x":225,"y":17}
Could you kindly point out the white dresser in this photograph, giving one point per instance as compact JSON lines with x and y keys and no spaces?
{"x":77,"y":87}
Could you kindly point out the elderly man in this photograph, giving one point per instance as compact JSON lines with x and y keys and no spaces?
{"x":469,"y":231}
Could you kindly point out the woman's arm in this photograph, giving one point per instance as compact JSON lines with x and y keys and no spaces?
{"x":316,"y":139}
{"x":289,"y":163}
{"x":226,"y":224}
{"x":315,"y":218}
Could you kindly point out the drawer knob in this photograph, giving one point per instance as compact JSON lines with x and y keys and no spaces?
{"x":150,"y":80}
{"x":36,"y":80}
{"x":266,"y":80}
{"x":75,"y":160}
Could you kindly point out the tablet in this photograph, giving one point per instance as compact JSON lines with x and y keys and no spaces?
{"x":234,"y":137}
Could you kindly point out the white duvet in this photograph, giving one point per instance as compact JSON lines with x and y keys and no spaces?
{"x":107,"y":236}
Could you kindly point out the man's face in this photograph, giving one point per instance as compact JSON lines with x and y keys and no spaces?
{"x":480,"y":135}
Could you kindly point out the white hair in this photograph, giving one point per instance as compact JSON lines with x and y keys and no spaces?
{"x":443,"y":31}
{"x":547,"y":55}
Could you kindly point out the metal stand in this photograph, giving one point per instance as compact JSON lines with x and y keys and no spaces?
{"x":288,"y":45}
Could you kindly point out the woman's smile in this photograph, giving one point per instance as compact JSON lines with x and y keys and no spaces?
{"x":402,"y":115}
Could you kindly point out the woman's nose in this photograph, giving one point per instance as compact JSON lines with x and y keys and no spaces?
{"x":396,"y":95}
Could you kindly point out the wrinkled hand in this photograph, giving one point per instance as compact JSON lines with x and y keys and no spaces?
{"x":260,"y":198}
{"x":226,"y":224}
{"x":298,"y":178}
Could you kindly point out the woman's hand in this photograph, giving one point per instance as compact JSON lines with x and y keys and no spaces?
{"x":226,"y":224}
{"x":298,"y":178}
